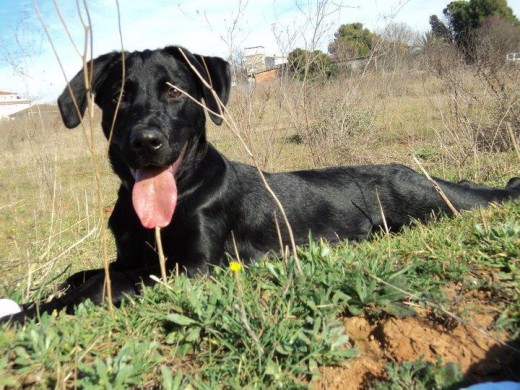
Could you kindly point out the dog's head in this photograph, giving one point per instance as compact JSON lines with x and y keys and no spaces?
{"x":158,"y":118}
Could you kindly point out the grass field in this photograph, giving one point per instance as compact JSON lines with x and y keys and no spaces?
{"x":435,"y":306}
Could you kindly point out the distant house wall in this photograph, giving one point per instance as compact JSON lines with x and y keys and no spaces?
{"x":269,"y":62}
{"x":513,"y":56}
{"x":261,"y":68}
{"x":275,"y":61}
{"x":11,"y":103}
{"x":353,"y":65}
{"x":38,"y":110}
{"x":266,"y":76}
{"x":255,"y":59}
{"x":255,"y":63}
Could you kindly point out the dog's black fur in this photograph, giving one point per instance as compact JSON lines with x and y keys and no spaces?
{"x":218,"y":198}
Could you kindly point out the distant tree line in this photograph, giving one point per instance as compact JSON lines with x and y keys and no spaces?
{"x":463,"y":19}
{"x":462,"y":25}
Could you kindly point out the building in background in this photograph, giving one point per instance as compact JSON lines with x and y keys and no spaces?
{"x":11,"y":103}
{"x":255,"y":59}
{"x":38,"y":111}
{"x":260,"y":67}
{"x":513,"y":56}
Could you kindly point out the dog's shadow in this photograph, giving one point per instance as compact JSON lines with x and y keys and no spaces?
{"x":501,"y":363}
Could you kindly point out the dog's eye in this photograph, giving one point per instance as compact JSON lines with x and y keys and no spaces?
{"x":118,"y":96}
{"x":174,"y":93}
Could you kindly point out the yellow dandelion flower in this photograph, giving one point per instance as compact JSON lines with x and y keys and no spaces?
{"x":235,"y":266}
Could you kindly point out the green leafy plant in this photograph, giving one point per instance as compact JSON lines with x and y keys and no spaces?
{"x":125,"y":369}
{"x":420,"y":375}
{"x":278,"y":339}
{"x":377,"y":289}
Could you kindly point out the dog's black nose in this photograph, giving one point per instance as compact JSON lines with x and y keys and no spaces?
{"x":147,"y":141}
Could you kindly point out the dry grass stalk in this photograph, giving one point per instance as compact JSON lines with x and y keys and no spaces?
{"x":160,"y":252}
{"x":235,"y":247}
{"x":385,"y":225}
{"x":513,"y":139}
{"x":158,"y":280}
{"x":280,"y":239}
{"x":123,"y":76}
{"x":437,"y":188}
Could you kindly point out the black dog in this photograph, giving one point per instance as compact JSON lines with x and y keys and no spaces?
{"x":173,"y":178}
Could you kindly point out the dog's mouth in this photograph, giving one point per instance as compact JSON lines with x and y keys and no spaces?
{"x":154,"y":195}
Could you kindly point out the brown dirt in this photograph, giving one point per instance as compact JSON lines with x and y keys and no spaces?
{"x":481,"y":356}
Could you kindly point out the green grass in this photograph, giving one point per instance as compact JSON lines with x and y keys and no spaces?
{"x":264,"y":326}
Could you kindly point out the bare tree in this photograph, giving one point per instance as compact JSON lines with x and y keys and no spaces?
{"x":398,"y":46}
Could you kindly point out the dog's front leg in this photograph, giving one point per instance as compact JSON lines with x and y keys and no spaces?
{"x":93,"y":289}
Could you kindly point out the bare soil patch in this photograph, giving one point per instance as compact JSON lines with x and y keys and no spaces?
{"x":481,"y":356}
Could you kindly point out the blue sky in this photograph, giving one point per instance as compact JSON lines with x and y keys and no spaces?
{"x":28,"y":65}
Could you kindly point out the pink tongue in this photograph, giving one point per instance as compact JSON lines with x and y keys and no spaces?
{"x":155,"y":196}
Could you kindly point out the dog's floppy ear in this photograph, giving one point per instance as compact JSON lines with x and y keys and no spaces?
{"x":215,"y":71}
{"x":218,"y":74}
{"x":69,"y":113}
